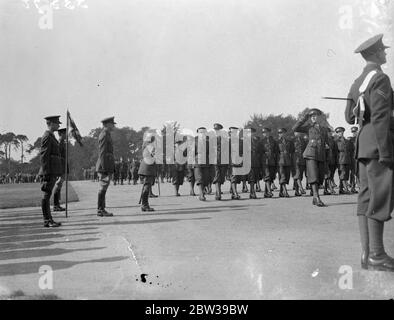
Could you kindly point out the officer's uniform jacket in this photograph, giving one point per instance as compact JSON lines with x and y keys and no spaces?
{"x":286,"y":150}
{"x":106,"y":161}
{"x":374,"y":140}
{"x":344,"y":151}
{"x":50,"y":157}
{"x":299,"y":148}
{"x":318,"y":136}
{"x":148,"y":168}
{"x":271,"y":150}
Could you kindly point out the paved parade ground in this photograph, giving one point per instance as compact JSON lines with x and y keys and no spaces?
{"x":248,"y":249}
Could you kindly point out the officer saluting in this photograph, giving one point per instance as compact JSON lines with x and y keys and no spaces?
{"x":105,"y":165}
{"x":372,"y":105}
{"x":315,"y":152}
{"x":50,"y":169}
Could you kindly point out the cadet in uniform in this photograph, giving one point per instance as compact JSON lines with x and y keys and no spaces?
{"x":105,"y":165}
{"x":178,"y":169}
{"x":219,"y":168}
{"x":353,"y":172}
{"x":374,"y":152}
{"x":315,"y":151}
{"x":256,"y":163}
{"x":286,"y":150}
{"x":50,"y":168}
{"x":201,"y":167}
{"x":299,"y":163}
{"x":147,"y":170}
{"x":344,"y":160}
{"x":122,"y":170}
{"x":234,"y":179}
{"x":59,"y":182}
{"x":270,"y":157}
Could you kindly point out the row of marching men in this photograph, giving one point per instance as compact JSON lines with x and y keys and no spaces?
{"x":283,"y":157}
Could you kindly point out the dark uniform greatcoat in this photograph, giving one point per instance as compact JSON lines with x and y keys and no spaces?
{"x":106,"y":161}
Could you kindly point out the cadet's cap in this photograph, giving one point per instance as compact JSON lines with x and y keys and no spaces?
{"x":233,"y":128}
{"x":63,"y":130}
{"x":282,"y":130}
{"x":340,"y":129}
{"x":354,"y":129}
{"x":315,"y":112}
{"x":217,"y":126}
{"x":371,"y":46}
{"x":266,"y":129}
{"x":109,"y":120}
{"x":53,"y":119}
{"x":201,"y":128}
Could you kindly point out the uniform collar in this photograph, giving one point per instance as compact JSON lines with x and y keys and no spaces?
{"x":372,"y":66}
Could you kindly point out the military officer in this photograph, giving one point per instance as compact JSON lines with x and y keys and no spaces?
{"x":344,"y":160}
{"x":353,"y":167}
{"x":299,"y":163}
{"x":50,"y":168}
{"x":286,"y":150}
{"x":374,"y":152}
{"x":147,"y":170}
{"x":59,"y":182}
{"x":105,"y":165}
{"x":220,"y":168}
{"x":270,"y":156}
{"x":315,"y":151}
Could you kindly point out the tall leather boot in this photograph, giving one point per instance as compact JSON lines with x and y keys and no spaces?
{"x":316,"y":198}
{"x":44,"y":211}
{"x":56,"y":202}
{"x":378,"y":259}
{"x":145,"y":200}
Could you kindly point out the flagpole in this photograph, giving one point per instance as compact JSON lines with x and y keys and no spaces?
{"x":66,"y":166}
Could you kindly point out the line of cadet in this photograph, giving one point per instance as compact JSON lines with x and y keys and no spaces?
{"x":270,"y":157}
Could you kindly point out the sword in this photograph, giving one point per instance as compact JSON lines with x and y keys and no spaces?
{"x":336,"y":98}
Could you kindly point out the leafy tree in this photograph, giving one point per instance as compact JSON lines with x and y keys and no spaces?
{"x":21,"y":138}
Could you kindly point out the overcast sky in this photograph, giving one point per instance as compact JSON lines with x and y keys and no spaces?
{"x":194,"y":61}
